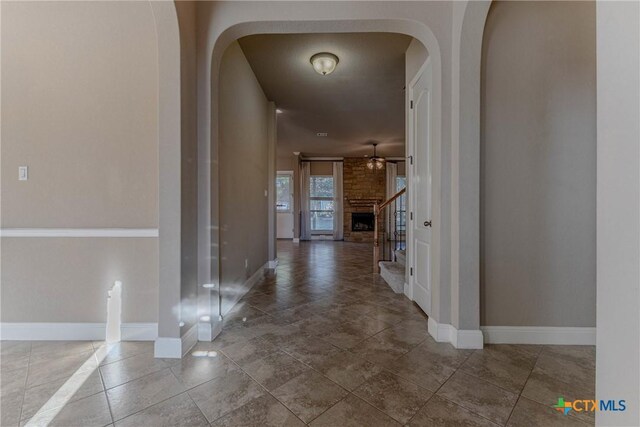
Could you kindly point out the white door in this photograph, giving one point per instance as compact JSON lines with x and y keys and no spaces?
{"x":284,"y":205}
{"x":420,"y":153}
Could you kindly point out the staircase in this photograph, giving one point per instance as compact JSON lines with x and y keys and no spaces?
{"x":389,"y":259}
{"x":394,"y":272}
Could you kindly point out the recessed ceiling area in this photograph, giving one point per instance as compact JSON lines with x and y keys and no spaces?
{"x":360,"y":102}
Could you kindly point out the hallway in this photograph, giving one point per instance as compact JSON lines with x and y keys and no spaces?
{"x":319,"y":343}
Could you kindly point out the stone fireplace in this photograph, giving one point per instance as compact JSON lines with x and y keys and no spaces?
{"x":362,"y":188}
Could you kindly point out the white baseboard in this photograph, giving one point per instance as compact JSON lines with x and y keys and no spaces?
{"x":189,"y":339}
{"x":168,"y":348}
{"x":539,"y":335}
{"x":60,"y":331}
{"x":443,"y":332}
{"x":296,"y":240}
{"x":207,"y":331}
{"x":273,"y":264}
{"x":245,"y":287}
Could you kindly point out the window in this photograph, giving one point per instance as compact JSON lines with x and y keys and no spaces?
{"x":401,"y":214}
{"x":284,"y":192}
{"x":321,"y":203}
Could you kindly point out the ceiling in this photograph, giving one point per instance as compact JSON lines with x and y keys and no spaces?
{"x":360,"y":102}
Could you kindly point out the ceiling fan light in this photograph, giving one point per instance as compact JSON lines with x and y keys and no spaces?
{"x":324,"y":63}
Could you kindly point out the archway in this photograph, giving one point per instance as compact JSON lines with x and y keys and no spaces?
{"x":208,"y":304}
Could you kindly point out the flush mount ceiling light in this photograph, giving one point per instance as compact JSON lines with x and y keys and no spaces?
{"x":375,"y":162}
{"x":324,"y":63}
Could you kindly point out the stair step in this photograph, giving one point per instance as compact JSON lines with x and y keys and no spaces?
{"x":401,"y":257}
{"x":393,"y":273}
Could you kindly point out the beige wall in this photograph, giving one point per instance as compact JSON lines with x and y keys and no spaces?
{"x":79,"y":107}
{"x":67,"y":279}
{"x":538,"y":165}
{"x":321,"y":168}
{"x":244,"y":125}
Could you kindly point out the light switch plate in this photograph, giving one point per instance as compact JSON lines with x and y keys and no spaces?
{"x":23,"y":173}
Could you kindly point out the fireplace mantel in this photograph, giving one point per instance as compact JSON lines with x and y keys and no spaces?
{"x":364,"y":203}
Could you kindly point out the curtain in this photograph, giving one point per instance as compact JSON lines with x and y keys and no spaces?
{"x":305,"y":216}
{"x":338,"y":198}
{"x":392,"y":173}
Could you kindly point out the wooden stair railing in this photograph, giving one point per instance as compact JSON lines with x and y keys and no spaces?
{"x":377,"y":210}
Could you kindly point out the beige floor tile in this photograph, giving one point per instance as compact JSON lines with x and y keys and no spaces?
{"x":13,"y":362}
{"x":442,"y":413}
{"x":139,"y":394}
{"x":45,"y":350}
{"x":427,"y":370}
{"x":177,"y":411}
{"x":88,"y":412}
{"x":10,"y":404}
{"x":311,"y":351}
{"x":44,"y":371}
{"x":192,"y":371}
{"x":131,"y":368}
{"x":222,"y":395}
{"x":309,"y":394}
{"x":13,"y":381}
{"x":264,"y":411}
{"x":246,"y":352}
{"x":123,"y":350}
{"x":521,"y":355}
{"x":499,"y":372}
{"x":274,"y":370}
{"x":567,"y":371}
{"x":479,"y":396}
{"x":379,"y":350}
{"x":393,"y":395}
{"x":353,"y":412}
{"x":583,"y":355}
{"x":531,"y":414}
{"x":546,"y":389}
{"x":347,"y":369}
{"x":348,"y":335}
{"x":36,"y":397}
{"x":15,"y":348}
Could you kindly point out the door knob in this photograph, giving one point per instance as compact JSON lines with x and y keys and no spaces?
{"x":427,"y":223}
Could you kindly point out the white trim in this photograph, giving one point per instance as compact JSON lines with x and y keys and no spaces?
{"x":63,"y":331}
{"x":189,"y":339}
{"x":79,"y":232}
{"x":207,"y":331}
{"x":139,"y":331}
{"x":170,"y":348}
{"x":245,"y":287}
{"x":467,"y":338}
{"x":539,"y":335}
{"x":273,"y":264}
{"x":296,"y":240}
{"x":443,"y":332}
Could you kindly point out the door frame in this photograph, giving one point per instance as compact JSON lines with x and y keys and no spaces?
{"x":436,"y":206}
{"x":293,"y":202}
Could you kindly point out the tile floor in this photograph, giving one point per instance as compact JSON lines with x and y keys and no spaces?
{"x":321,"y":343}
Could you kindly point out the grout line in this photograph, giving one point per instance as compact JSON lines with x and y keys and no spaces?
{"x":104,"y":389}
{"x":263,"y":387}
{"x":26,"y":377}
